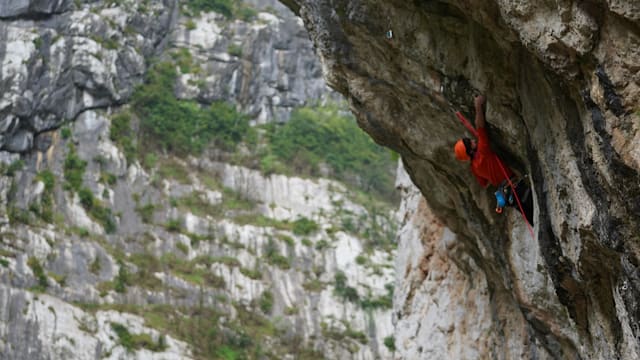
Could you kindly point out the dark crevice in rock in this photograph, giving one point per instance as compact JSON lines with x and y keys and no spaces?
{"x":627,"y":186}
{"x":292,"y":5}
{"x":34,"y":16}
{"x":610,"y":231}
{"x":599,"y":267}
{"x":630,"y":291}
{"x":441,"y":8}
{"x":626,"y":192}
{"x":567,"y":288}
{"x":614,"y":102}
{"x":27,"y":126}
{"x":596,"y":11}
{"x":559,"y":348}
{"x":163,"y":40}
{"x":590,"y":175}
{"x":458,"y":91}
{"x":561,"y":271}
{"x":618,"y":234}
{"x":627,"y":23}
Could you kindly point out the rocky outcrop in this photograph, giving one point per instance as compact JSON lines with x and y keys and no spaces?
{"x":92,"y":56}
{"x":267,"y":66}
{"x":55,"y":68}
{"x":248,"y":252}
{"x":438,"y":294}
{"x":30,"y":8}
{"x":562,"y":85}
{"x":45,"y":327}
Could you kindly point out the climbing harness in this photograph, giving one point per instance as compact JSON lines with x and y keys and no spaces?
{"x":524,"y":217}
{"x":500,"y":197}
{"x":505,"y":196}
{"x":501,"y":202}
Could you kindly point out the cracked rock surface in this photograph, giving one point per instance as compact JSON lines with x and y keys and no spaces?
{"x":562,"y":84}
{"x":193,"y":254}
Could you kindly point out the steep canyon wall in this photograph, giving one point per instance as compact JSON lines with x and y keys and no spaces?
{"x":112,"y":251}
{"x":562,"y":81}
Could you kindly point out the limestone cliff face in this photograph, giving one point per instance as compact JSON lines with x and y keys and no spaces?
{"x":191,"y":257}
{"x":62,"y":59}
{"x":562,"y":80}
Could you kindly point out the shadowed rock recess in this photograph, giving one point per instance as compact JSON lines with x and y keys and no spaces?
{"x":563,"y":86}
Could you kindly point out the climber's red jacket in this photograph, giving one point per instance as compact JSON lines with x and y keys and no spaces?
{"x":485,"y":164}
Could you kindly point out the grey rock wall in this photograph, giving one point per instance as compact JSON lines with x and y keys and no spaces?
{"x":92,"y":56}
{"x":79,"y":257}
{"x":55,"y":68}
{"x":33,"y":8}
{"x":562,"y":81}
{"x":66,"y":69}
{"x":267,"y":66}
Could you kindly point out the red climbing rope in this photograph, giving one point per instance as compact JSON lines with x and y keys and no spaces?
{"x":469,"y":127}
{"x":467,"y":124}
{"x":515,"y":194}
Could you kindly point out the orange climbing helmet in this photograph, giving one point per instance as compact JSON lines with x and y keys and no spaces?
{"x":461,"y":150}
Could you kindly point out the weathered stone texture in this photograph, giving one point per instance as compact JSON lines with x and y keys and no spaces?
{"x":562,"y":81}
{"x":64,"y":72}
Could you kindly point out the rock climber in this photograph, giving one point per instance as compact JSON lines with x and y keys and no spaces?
{"x":488,"y":168}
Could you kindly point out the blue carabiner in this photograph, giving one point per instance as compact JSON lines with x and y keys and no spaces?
{"x":501,"y":202}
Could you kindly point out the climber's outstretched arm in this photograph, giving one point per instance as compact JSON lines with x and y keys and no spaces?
{"x":479,"y":103}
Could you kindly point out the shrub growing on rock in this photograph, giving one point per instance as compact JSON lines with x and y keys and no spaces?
{"x":328,"y":135}
{"x":304,"y":226}
{"x":181,"y":126}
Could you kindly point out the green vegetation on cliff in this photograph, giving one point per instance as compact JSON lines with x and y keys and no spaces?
{"x":229,"y":8}
{"x":224,"y":7}
{"x":123,"y":136}
{"x":328,"y":136}
{"x":249,"y":335}
{"x":316,"y":141}
{"x":181,"y":126}
{"x":137,"y":341}
{"x":74,"y":168}
{"x":38,"y":273}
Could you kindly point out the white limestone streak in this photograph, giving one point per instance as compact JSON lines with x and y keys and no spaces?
{"x":68,"y":332}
